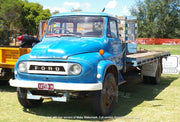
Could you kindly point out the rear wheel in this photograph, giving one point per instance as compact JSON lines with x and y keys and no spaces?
{"x":146,"y":79}
{"x":103,"y":100}
{"x":157,"y":78}
{"x":27,"y":103}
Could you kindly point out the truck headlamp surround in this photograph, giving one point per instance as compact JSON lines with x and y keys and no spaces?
{"x":75,"y":69}
{"x":22,"y":67}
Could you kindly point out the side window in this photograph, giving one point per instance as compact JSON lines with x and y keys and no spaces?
{"x":112,"y":29}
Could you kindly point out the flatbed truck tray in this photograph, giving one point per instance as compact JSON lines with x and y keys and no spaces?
{"x":144,"y":57}
{"x":10,"y":55}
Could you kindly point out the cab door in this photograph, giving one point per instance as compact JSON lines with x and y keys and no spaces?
{"x":114,"y":43}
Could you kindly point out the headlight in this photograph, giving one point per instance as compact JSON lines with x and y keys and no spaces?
{"x":75,"y":69}
{"x":22,"y":67}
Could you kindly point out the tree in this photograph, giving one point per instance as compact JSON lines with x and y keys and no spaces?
{"x":20,"y":17}
{"x":157,"y":18}
{"x":10,"y":12}
{"x":55,"y":12}
{"x":76,"y":10}
{"x":32,"y":14}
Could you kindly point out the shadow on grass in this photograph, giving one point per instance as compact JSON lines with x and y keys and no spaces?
{"x":73,"y":108}
{"x":130,"y":95}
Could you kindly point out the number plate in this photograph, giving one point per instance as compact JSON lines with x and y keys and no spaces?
{"x":45,"y":86}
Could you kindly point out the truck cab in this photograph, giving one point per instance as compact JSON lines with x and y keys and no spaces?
{"x":80,"y":54}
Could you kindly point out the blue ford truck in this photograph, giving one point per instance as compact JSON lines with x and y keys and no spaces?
{"x":81,"y":55}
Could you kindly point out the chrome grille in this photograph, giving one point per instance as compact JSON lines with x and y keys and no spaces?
{"x":47,"y":68}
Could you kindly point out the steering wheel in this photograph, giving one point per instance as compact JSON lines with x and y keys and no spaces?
{"x":57,"y":30}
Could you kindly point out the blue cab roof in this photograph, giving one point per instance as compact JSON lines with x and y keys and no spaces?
{"x":82,"y":14}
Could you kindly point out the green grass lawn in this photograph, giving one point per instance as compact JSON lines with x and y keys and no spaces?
{"x":137,"y":102}
{"x":173,"y":49}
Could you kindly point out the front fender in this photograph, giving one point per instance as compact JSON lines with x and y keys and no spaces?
{"x":102,"y":68}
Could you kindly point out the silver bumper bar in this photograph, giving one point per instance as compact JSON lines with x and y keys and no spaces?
{"x":57,"y":85}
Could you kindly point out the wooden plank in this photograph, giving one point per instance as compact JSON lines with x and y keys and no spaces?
{"x":10,"y":55}
{"x":140,"y":58}
{"x":148,"y":54}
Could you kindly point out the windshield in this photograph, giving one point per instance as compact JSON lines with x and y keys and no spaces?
{"x":80,"y":26}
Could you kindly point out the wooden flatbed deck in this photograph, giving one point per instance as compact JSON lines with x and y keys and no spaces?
{"x":143,"y":57}
{"x":9,"y":56}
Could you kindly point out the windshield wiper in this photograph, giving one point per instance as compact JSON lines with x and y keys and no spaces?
{"x":71,"y":35}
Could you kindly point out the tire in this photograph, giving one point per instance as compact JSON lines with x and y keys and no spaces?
{"x":146,"y":79}
{"x":157,"y":78}
{"x":3,"y":81}
{"x":27,"y":103}
{"x":6,"y":74}
{"x":103,"y":100}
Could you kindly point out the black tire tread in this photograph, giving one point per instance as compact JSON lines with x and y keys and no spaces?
{"x":22,"y":97}
{"x":159,"y":69}
{"x":98,"y":108}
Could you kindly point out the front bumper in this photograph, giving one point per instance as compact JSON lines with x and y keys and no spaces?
{"x":57,"y":86}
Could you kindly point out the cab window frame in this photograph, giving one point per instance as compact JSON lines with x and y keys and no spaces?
{"x":110,"y":29}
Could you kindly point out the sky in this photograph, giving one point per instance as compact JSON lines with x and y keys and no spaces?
{"x":114,"y":7}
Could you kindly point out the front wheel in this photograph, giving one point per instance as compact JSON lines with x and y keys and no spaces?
{"x":27,"y":103}
{"x":103,"y":100}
